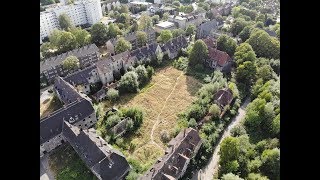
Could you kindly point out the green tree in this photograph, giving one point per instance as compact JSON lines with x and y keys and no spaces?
{"x":191,"y":29}
{"x":150,"y":71}
{"x":66,"y":42}
{"x":238,"y":25}
{"x":46,"y":50}
{"x":265,"y":72}
{"x":231,"y":176}
{"x":99,"y":33}
{"x":245,"y":33}
{"x":141,"y":38}
{"x":145,"y":21}
{"x":136,"y":114}
{"x":192,"y":123}
{"x":165,"y":36}
{"x":113,"y":31}
{"x":113,"y":94}
{"x":132,"y":175}
{"x":198,"y":54}
{"x":243,"y":53}
{"x":122,"y":45}
{"x":165,"y":16}
{"x":227,"y":44}
{"x":83,"y":37}
{"x":254,"y":176}
{"x":155,"y":19}
{"x":124,"y":18}
{"x":229,"y":153}
{"x":214,"y":110}
{"x":246,"y":73}
{"x":271,"y":163}
{"x":129,"y":82}
{"x":46,"y":2}
{"x":142,"y":75}
{"x":71,"y":63}
{"x":178,"y":32}
{"x":238,"y":130}
{"x":276,"y":126}
{"x":264,"y":45}
{"x":124,"y":9}
{"x":65,"y":22}
{"x":176,"y":3}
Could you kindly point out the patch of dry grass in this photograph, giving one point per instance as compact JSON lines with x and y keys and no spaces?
{"x":151,"y":99}
{"x":49,"y":105}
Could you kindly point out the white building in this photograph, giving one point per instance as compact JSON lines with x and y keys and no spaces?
{"x":81,"y":12}
{"x":164,"y":25}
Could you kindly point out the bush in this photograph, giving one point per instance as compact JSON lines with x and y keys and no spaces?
{"x":129,"y":82}
{"x":181,"y":63}
{"x":150,"y":71}
{"x":214,"y":110}
{"x":135,"y":114}
{"x":143,"y":76}
{"x":113,"y":94}
{"x":164,"y":135}
{"x":132,"y":175}
{"x":238,"y":131}
{"x":112,"y":120}
{"x":119,"y":142}
{"x":192,"y":123}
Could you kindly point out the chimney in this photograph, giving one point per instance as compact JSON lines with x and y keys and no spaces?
{"x":101,"y":143}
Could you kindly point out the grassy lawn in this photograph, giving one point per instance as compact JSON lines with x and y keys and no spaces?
{"x":49,"y":105}
{"x":152,"y":99}
{"x":67,"y":165}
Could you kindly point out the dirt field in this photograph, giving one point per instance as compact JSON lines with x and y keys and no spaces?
{"x":49,"y":105}
{"x":168,"y":94}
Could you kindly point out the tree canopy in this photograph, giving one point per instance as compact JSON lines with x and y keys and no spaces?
{"x":65,"y":22}
{"x":129,"y":82}
{"x":99,"y":33}
{"x":165,"y":36}
{"x":264,"y":45}
{"x":71,"y":63}
{"x":243,"y":53}
{"x":142,"y":38}
{"x":122,"y":45}
{"x":227,"y":44}
{"x":198,"y":54}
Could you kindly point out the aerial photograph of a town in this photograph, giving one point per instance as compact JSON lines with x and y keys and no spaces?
{"x":160,"y":89}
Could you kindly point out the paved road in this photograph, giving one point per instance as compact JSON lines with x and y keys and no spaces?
{"x":45,"y":172}
{"x":207,"y":172}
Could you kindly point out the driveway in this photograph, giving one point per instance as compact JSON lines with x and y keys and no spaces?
{"x":45,"y":172}
{"x":208,"y":171}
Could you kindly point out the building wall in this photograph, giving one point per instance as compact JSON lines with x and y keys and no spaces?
{"x":87,"y":122}
{"x":86,"y":12}
{"x":51,"y":144}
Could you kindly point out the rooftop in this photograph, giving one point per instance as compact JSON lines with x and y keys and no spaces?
{"x":165,"y":24}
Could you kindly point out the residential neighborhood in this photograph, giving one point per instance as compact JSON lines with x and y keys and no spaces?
{"x":147,"y":89}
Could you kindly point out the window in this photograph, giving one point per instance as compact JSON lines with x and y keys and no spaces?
{"x":90,"y":121}
{"x":85,"y":125}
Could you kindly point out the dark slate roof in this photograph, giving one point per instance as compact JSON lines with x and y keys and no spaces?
{"x":99,"y":94}
{"x":121,"y":56}
{"x":115,"y":169}
{"x":223,"y":97}
{"x":207,"y":27}
{"x":105,"y":65}
{"x":66,"y":91}
{"x":82,"y":143}
{"x":80,"y":77}
{"x":96,"y":153}
{"x":57,"y":60}
{"x":130,"y":36}
{"x":77,"y":111}
{"x":180,"y":149}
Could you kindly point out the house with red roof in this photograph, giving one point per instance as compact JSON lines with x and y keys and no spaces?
{"x":217,"y":59}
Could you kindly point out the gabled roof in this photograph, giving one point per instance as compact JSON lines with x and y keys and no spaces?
{"x":180,"y":149}
{"x":80,"y":77}
{"x":210,"y":42}
{"x":207,"y":27}
{"x":220,"y":57}
{"x":66,"y":91}
{"x":105,"y":65}
{"x":51,"y":125}
{"x":104,"y":161}
{"x":223,"y":97}
{"x":57,"y":60}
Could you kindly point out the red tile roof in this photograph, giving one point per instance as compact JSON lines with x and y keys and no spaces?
{"x":220,"y":57}
{"x":210,"y":42}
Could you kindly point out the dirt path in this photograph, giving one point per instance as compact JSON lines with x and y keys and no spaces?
{"x":207,"y":172}
{"x":164,"y":105}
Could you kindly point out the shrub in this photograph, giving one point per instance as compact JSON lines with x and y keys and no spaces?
{"x":113,"y":94}
{"x":164,"y":135}
{"x":129,"y":82}
{"x":192,"y":123}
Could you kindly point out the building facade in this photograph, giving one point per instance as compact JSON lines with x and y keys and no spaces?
{"x":81,"y":12}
